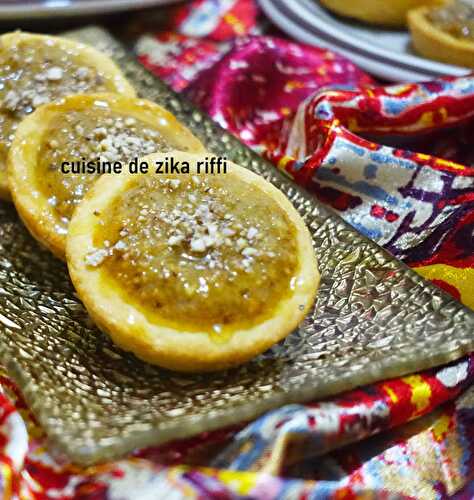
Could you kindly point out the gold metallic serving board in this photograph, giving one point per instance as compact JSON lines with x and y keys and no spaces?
{"x":374,"y":319}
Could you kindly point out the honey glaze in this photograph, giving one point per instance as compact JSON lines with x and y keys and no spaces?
{"x":96,"y":134}
{"x":455,"y":18}
{"x":61,"y":150}
{"x":200,"y":252}
{"x":36,"y":71}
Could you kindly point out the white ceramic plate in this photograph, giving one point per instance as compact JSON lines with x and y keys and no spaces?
{"x":33,"y":9}
{"x":382,"y":52}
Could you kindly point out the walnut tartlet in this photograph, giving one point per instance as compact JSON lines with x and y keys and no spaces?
{"x":445,"y":34}
{"x":392,"y":13}
{"x":38,"y":69}
{"x":192,"y":272}
{"x":104,"y":128}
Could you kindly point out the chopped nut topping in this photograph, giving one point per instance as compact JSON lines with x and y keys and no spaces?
{"x":35,"y":74}
{"x":55,"y":73}
{"x":95,"y":258}
{"x":96,"y":134}
{"x":197,"y":249}
{"x":455,"y":18}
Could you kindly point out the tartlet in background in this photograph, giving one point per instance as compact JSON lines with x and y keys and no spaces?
{"x":391,"y":13}
{"x":439,"y":41}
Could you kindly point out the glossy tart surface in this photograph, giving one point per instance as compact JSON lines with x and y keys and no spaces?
{"x":78,"y":129}
{"x":445,"y":34}
{"x":38,"y":69}
{"x":385,"y":13}
{"x":192,"y":272}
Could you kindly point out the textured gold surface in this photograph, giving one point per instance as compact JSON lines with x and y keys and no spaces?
{"x":374,"y":319}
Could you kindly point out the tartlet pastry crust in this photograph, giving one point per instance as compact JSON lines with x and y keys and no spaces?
{"x":179,"y":348}
{"x":432,"y":42}
{"x":388,"y":13}
{"x":114,"y":80}
{"x":30,"y":201}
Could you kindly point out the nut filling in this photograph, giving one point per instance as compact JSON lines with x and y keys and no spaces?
{"x":95,"y":134}
{"x":35,"y":74}
{"x":456,"y":18}
{"x":211,"y":251}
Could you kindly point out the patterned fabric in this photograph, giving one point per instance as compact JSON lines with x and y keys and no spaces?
{"x":423,"y":211}
{"x":301,"y":106}
{"x":291,"y":453}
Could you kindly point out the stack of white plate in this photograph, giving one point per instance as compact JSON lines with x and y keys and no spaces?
{"x":382,"y":52}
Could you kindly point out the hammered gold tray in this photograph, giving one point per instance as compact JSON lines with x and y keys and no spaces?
{"x":374,"y":319}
